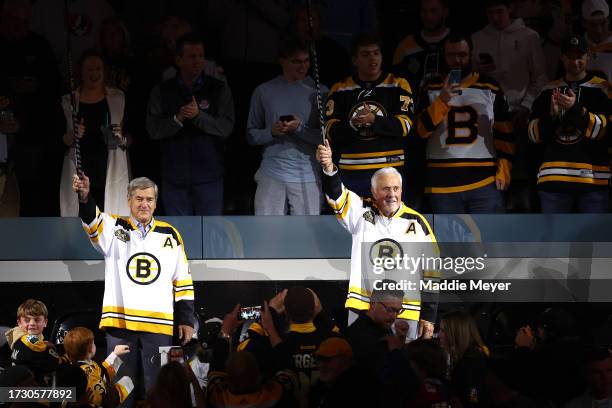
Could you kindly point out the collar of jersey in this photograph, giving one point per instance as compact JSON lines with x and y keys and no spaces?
{"x":135,"y":223}
{"x":38,"y":345}
{"x":380,"y":80}
{"x":401,"y":210}
{"x":302,"y":327}
{"x":584,"y":80}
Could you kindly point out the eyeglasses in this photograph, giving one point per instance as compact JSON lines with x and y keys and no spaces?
{"x":390,"y":310}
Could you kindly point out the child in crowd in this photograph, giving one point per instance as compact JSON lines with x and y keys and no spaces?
{"x":80,"y":348}
{"x":27,"y":341}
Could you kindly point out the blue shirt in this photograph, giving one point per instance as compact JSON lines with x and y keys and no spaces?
{"x":289,"y":158}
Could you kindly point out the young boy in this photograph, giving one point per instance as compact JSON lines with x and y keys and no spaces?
{"x":80,"y":348}
{"x":27,"y":341}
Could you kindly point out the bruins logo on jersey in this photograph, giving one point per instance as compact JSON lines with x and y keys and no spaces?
{"x":366,"y":132}
{"x":369,"y":217}
{"x":122,"y":235}
{"x":567,"y":135}
{"x":385,"y":248}
{"x":143,"y":268}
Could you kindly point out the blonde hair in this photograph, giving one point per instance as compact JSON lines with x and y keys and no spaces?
{"x":461,"y":334}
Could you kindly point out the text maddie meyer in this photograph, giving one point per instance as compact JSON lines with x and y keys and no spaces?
{"x":453,"y":285}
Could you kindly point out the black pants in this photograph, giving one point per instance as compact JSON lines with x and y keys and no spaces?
{"x":144,"y":357}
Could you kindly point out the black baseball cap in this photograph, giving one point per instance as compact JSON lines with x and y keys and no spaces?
{"x":574,"y":43}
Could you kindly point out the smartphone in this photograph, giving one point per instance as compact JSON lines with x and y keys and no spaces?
{"x":286,"y":118}
{"x":176,"y":354}
{"x":250,"y":313}
{"x":454,"y":76}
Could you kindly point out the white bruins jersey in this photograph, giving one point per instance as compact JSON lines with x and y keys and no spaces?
{"x":469,"y":139}
{"x":369,"y":227}
{"x":144,"y":276}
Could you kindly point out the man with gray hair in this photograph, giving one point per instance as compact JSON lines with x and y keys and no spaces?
{"x":380,"y":226}
{"x":147,"y":282}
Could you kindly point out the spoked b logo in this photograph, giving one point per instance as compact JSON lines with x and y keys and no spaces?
{"x":382,"y":249}
{"x":143,"y":268}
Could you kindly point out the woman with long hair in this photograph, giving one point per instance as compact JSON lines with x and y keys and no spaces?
{"x":99,"y":111}
{"x":467,"y":356}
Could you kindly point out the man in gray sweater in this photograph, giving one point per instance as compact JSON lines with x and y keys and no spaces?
{"x":283,"y":119}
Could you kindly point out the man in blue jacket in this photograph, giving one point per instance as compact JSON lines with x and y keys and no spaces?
{"x":191,"y":114}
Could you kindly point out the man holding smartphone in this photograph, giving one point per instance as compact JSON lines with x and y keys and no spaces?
{"x":283,"y":119}
{"x":569,"y":121}
{"x":470,"y":146}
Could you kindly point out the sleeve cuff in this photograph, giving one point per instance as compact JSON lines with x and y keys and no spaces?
{"x":331,"y":173}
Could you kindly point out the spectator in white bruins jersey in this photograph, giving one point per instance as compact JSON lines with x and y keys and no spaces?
{"x":147,"y":282}
{"x":470,"y":144}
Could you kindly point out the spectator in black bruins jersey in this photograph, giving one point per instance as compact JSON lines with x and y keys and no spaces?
{"x":236,"y":379}
{"x":420,"y":56}
{"x":28,"y":344}
{"x":293,"y":326}
{"x":569,"y":120}
{"x":470,"y":144}
{"x":369,"y":116}
{"x":147,"y":282}
{"x":103,"y":389}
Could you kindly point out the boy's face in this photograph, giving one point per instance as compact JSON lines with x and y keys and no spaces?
{"x":33,"y":325}
{"x":368,"y":62}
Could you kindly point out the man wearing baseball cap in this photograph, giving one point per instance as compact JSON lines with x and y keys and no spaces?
{"x":342,"y":384}
{"x":595,"y":19}
{"x":569,"y":121}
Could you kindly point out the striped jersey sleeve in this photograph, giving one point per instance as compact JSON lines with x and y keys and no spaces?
{"x":347,"y":205}
{"x":100,"y":231}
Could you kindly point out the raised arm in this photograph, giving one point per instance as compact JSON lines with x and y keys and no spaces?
{"x":97,"y":225}
{"x":347,"y":205}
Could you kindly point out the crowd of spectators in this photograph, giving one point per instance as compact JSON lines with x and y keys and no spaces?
{"x":293,"y":354}
{"x":193,"y":94}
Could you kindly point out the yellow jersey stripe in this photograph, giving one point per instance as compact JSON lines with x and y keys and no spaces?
{"x":136,"y":326}
{"x":570,"y":179}
{"x":372,"y":154}
{"x":461,"y":164}
{"x":135,"y":312}
{"x":184,"y":294}
{"x":458,"y":189}
{"x":370,"y":166}
{"x":571,"y":165}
